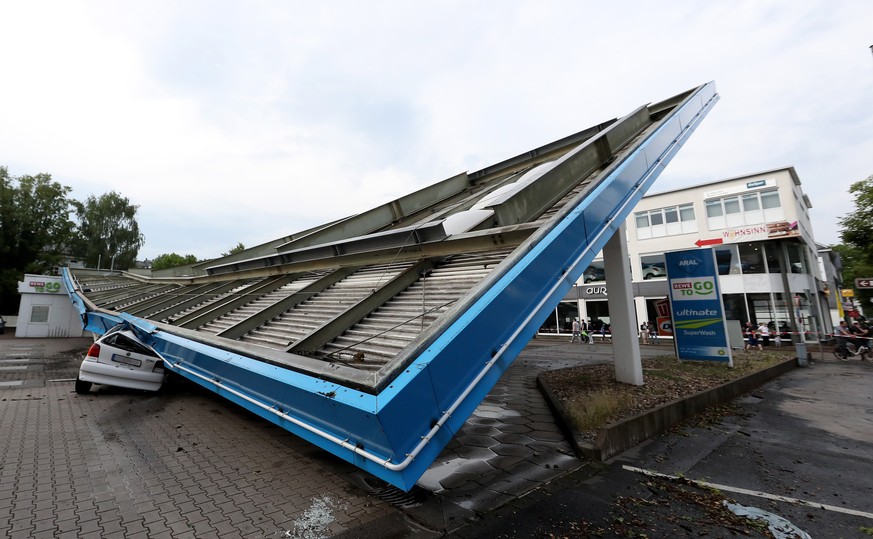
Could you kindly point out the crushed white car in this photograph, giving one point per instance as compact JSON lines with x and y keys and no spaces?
{"x":119,"y":359}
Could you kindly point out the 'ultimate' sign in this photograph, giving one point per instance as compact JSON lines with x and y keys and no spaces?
{"x":699,"y":326}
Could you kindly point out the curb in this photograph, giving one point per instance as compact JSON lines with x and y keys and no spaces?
{"x":624,"y":434}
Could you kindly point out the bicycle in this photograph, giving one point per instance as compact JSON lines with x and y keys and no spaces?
{"x":846,"y":350}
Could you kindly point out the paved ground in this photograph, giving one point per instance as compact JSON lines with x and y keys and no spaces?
{"x":182,"y":463}
{"x":800,"y":447}
{"x":186,"y":463}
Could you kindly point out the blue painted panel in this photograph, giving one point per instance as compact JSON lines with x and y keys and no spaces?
{"x":311,"y":400}
{"x":415,"y":407}
{"x":456,"y":357}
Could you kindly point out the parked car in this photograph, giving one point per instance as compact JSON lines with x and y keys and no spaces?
{"x":653,"y":271}
{"x":593,"y":273}
{"x":119,"y":359}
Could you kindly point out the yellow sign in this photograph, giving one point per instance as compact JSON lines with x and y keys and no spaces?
{"x":848,"y":293}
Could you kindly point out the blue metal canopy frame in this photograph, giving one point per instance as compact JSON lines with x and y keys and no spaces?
{"x":396,"y":433}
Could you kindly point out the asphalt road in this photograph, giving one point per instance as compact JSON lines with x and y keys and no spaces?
{"x":800,"y":447}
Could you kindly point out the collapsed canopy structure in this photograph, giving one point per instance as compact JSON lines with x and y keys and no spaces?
{"x":376,"y":336}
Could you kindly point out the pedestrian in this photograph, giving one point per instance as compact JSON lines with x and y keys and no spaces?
{"x":777,"y":340}
{"x":644,"y":333}
{"x":577,"y":328}
{"x":653,"y":333}
{"x":764,"y":332}
{"x":752,"y":336}
{"x":866,"y":331}
{"x":589,"y":328}
{"x":859,"y":335}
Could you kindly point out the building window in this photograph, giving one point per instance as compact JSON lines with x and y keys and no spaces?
{"x":752,"y":258}
{"x":665,"y":222}
{"x":653,"y":266}
{"x":727,"y":258}
{"x":735,"y":307}
{"x":750,"y":209}
{"x":594,"y":273}
{"x":796,"y":259}
{"x":567,"y":311}
{"x":772,"y":257}
{"x":39,"y":314}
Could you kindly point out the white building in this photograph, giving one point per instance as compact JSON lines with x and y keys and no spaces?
{"x":45,"y":309}
{"x":757,"y":225}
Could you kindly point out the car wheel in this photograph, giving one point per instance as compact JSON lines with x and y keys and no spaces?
{"x":82,"y":386}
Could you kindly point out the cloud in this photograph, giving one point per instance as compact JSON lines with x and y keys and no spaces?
{"x":234,"y":122}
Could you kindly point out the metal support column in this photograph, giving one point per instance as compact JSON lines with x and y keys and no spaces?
{"x":622,"y":315}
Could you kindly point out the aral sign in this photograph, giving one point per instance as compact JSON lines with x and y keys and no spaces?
{"x":699,"y":326}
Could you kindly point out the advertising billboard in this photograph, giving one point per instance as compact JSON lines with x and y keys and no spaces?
{"x":699,"y":326}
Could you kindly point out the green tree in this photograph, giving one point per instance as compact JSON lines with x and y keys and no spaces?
{"x":856,"y":252}
{"x":108,"y":232}
{"x":238,"y":249}
{"x":857,"y":226}
{"x":855,"y":266}
{"x":172,"y":260}
{"x":35,"y":229}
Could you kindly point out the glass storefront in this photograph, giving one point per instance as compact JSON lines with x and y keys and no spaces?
{"x":598,"y":313}
{"x":751,"y":257}
{"x":772,"y":308}
{"x":561,"y":321}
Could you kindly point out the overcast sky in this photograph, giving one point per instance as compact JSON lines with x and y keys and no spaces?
{"x":236,"y":122}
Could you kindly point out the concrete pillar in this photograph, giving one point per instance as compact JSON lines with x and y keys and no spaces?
{"x":622,"y":315}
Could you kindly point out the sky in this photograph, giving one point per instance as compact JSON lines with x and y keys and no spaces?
{"x":230,"y":122}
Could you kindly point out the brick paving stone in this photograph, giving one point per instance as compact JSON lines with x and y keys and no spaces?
{"x":179,"y":527}
{"x":237,"y":517}
{"x":90,"y":526}
{"x":186,"y":506}
{"x":194,"y":516}
{"x":44,"y":525}
{"x":134,"y":527}
{"x":224,"y":527}
{"x":87,"y":515}
{"x":216,"y":515}
{"x":68,"y":525}
{"x":112,"y":526}
{"x":172,"y":516}
{"x":203,"y":529}
{"x":64,"y":514}
{"x":157,"y":527}
{"x":152,"y":516}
